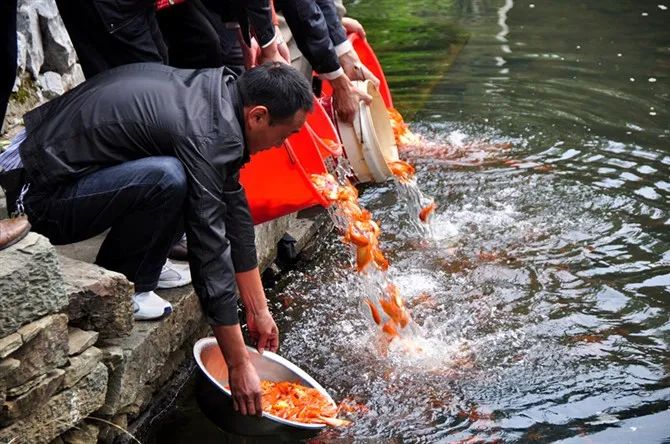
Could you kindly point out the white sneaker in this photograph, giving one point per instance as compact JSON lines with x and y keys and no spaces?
{"x":148,"y":305}
{"x":174,"y":275}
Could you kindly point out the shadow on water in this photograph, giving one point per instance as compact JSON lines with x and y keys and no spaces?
{"x":543,"y":297}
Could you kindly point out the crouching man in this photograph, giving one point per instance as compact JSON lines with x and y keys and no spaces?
{"x":147,"y":151}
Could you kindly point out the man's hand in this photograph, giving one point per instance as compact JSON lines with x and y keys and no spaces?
{"x":282,"y":47}
{"x":245,"y":387}
{"x":353,"y":26}
{"x":346,"y":98}
{"x":242,"y":377}
{"x":250,"y":54}
{"x":262,"y":327}
{"x":263,"y":330}
{"x":271,"y":54}
{"x":355,"y":70}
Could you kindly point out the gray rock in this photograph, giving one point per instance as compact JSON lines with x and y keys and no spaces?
{"x":31,"y":285}
{"x":112,"y":357}
{"x":27,"y":403}
{"x":59,"y":53}
{"x":28,"y":23}
{"x":110,"y":434}
{"x":99,"y":299}
{"x":46,"y":9}
{"x":46,"y":351}
{"x":149,"y":347}
{"x":9,"y":344}
{"x":267,"y":236}
{"x":79,"y":340}
{"x":73,"y":77}
{"x":83,"y":433}
{"x":61,"y":412}
{"x":29,"y":331}
{"x":51,"y":84}
{"x":21,"y":57}
{"x":7,"y":367}
{"x":26,"y":387}
{"x":81,"y":366}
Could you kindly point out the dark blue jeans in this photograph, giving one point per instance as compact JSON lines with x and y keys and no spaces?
{"x":141,"y":201}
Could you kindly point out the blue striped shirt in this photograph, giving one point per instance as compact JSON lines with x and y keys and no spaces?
{"x":10,"y":159}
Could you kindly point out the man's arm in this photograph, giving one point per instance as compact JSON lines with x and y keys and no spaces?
{"x":310,"y":30}
{"x":211,"y":261}
{"x":240,"y":233}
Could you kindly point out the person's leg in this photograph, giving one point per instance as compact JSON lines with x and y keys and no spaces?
{"x":191,"y":37}
{"x":98,"y":50}
{"x":7,"y":53}
{"x":142,"y":201}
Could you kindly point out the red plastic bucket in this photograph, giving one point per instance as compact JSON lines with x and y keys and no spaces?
{"x":369,"y":59}
{"x":277,"y":181}
{"x":321,"y":128}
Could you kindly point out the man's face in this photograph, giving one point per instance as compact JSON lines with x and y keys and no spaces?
{"x":263,"y":133}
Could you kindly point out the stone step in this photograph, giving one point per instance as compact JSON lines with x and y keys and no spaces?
{"x":61,"y":411}
{"x":99,"y":299}
{"x":31,"y":283}
{"x":146,"y":351}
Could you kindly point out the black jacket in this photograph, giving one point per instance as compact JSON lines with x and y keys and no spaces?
{"x":116,"y":14}
{"x":147,"y":109}
{"x":310,"y":29}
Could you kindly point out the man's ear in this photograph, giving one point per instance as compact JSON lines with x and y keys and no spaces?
{"x":258,"y":116}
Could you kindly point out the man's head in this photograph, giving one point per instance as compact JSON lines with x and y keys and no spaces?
{"x":276,"y":99}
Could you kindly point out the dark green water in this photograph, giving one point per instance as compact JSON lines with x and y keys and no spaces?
{"x":561,"y":331}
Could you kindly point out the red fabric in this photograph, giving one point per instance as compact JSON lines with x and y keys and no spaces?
{"x":162,"y":4}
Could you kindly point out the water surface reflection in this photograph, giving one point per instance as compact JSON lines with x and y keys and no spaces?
{"x":543,"y":297}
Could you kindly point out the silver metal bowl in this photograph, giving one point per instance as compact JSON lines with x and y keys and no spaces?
{"x":269,"y":366}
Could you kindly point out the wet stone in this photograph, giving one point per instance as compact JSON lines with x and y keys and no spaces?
{"x":10,"y":344}
{"x":79,"y":340}
{"x":23,"y":405}
{"x":61,"y":412}
{"x":45,"y":351}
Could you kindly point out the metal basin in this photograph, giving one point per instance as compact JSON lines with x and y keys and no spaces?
{"x":216,"y":401}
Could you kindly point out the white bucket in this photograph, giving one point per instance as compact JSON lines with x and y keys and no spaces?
{"x":369,"y":143}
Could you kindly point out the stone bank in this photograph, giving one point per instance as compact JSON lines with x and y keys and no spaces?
{"x":74,"y":366}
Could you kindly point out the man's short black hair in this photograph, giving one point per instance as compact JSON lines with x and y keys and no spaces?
{"x":278,"y":87}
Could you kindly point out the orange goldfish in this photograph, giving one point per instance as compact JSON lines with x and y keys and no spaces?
{"x":363,"y":257}
{"x":375,"y":313}
{"x":426,"y":211}
{"x":389,"y":329}
{"x":295,"y":402}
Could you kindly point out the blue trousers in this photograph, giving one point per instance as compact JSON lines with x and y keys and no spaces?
{"x":142,"y":201}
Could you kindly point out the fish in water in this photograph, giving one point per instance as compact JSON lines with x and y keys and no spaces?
{"x":402,"y":170}
{"x":426,"y":211}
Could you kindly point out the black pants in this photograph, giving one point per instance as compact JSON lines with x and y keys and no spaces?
{"x":182,"y":35}
{"x":7,"y":53}
{"x":192,"y":39}
{"x":98,"y":50}
{"x":141,"y":201}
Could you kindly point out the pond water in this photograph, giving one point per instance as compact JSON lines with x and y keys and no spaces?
{"x":543,"y":296}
